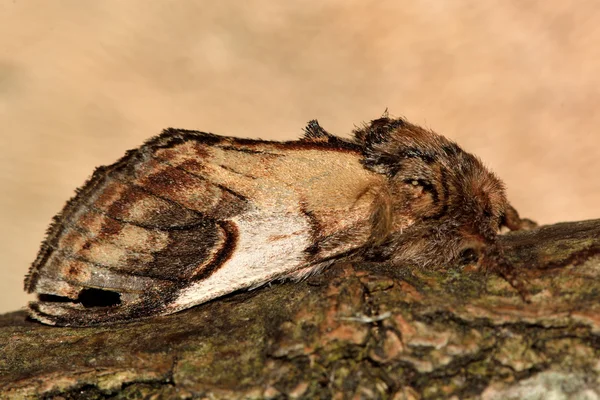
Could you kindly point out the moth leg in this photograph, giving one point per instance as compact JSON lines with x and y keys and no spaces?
{"x":514,"y":222}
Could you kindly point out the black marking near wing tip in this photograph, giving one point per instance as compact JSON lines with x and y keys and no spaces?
{"x":103,"y":306}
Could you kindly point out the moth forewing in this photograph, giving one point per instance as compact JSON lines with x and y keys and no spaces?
{"x":233,"y":214}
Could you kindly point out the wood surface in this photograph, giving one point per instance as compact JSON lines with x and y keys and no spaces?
{"x":355,"y":331}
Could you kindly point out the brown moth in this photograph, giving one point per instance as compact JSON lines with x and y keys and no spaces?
{"x":191,"y":216}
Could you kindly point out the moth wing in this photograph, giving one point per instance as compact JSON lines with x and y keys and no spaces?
{"x":191,"y":216}
{"x":133,"y":235}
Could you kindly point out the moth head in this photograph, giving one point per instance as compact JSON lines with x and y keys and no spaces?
{"x":433,"y":183}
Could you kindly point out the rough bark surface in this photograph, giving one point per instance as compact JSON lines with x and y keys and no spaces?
{"x":355,"y":331}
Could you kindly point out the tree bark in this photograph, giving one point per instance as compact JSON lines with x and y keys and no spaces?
{"x":355,"y":331}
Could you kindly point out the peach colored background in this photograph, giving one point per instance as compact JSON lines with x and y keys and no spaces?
{"x":516,"y":82}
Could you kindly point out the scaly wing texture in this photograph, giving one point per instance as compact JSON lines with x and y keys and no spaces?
{"x":137,"y":229}
{"x":191,"y":216}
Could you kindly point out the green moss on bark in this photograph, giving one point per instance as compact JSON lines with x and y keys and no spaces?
{"x":356,"y":331}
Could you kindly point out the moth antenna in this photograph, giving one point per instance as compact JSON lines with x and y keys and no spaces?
{"x":514,"y":222}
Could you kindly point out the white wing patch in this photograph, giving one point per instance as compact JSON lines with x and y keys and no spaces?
{"x":268,"y":247}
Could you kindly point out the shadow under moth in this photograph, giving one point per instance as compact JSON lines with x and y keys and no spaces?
{"x":191,"y":216}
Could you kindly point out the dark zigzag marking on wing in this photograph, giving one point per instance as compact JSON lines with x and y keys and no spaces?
{"x":166,"y":139}
{"x":222,"y":255}
{"x":128,"y":252}
{"x":150,"y":226}
{"x":220,"y":186}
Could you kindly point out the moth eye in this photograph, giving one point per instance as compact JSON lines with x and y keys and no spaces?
{"x":420,"y":186}
{"x":98,"y":298}
{"x":468,"y":256}
{"x":470,"y":253}
{"x":415,"y":183}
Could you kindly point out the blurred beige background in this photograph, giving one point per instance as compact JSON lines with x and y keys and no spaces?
{"x":516,"y":82}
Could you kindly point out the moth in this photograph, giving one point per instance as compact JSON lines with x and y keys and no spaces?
{"x":191,"y":216}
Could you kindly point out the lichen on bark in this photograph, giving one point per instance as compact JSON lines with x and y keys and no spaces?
{"x":355,"y":331}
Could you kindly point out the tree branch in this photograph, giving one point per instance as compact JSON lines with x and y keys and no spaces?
{"x":361,"y":331}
